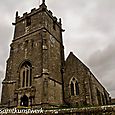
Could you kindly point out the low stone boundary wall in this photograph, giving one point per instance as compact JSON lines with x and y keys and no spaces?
{"x":100,"y":110}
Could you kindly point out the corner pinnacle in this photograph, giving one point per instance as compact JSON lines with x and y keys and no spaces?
{"x":43,"y":1}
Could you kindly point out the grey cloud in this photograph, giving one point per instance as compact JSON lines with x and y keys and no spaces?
{"x":1,"y":76}
{"x":5,"y":39}
{"x":102,"y":63}
{"x":103,"y":58}
{"x":113,"y":93}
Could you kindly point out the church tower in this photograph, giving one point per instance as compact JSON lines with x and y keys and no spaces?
{"x":34,"y":67}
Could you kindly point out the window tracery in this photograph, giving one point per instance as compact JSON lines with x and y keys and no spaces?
{"x":25,"y":75}
{"x":74,"y":87}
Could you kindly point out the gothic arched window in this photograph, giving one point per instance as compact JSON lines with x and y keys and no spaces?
{"x":26,"y":75}
{"x":74,"y":87}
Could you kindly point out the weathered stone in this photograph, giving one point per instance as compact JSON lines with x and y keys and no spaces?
{"x":37,"y":74}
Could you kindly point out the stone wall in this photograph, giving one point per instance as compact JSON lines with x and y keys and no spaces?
{"x":38,"y":41}
{"x":99,"y":110}
{"x":91,"y":92}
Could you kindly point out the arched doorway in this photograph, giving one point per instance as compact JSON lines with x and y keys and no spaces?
{"x":24,"y":101}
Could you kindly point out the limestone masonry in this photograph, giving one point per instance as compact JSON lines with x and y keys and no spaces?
{"x":37,"y":73}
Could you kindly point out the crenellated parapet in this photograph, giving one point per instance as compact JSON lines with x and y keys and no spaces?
{"x":36,"y":20}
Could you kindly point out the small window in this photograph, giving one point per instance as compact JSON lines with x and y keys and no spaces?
{"x":32,"y":43}
{"x":28,"y":21}
{"x":54,"y":25}
{"x":26,"y":43}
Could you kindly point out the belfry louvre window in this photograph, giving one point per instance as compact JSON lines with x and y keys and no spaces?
{"x":28,"y":21}
{"x":74,"y":87}
{"x":26,"y":75}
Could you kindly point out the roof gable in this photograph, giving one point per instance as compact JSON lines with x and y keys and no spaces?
{"x":73,"y":60}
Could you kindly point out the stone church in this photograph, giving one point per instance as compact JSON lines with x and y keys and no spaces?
{"x":37,"y":73}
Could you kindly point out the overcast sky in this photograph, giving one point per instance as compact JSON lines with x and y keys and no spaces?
{"x":90,"y":32}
